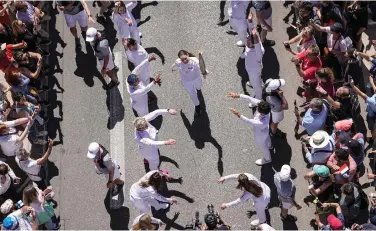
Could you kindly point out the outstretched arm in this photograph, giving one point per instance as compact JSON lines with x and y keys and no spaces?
{"x":154,"y":114}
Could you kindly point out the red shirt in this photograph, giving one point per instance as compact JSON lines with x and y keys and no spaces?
{"x":4,"y":62}
{"x":328,"y":87}
{"x":5,"y":19}
{"x":308,"y":66}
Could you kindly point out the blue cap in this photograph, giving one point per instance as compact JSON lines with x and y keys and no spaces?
{"x":132,"y":79}
{"x":10,"y":222}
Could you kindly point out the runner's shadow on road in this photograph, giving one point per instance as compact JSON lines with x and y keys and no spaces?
{"x":271,"y":64}
{"x":242,"y":72}
{"x":115,"y":107}
{"x":156,"y":51}
{"x":282,"y":153}
{"x":87,"y":67}
{"x":200,"y":131}
{"x":267,"y":176}
{"x":119,"y":215}
{"x":136,"y":12}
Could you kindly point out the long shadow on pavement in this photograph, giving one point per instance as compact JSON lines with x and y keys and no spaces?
{"x":271,"y":64}
{"x":156,"y":51}
{"x":136,"y":12}
{"x":119,"y":215}
{"x":200,"y":131}
{"x":87,"y":67}
{"x":115,"y":107}
{"x":242,"y":72}
{"x":55,"y":39}
{"x":282,"y":153}
{"x":267,"y":176}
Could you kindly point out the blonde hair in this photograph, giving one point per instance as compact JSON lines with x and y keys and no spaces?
{"x":140,"y":123}
{"x":144,"y":223}
{"x":118,"y":5}
{"x":30,"y":194}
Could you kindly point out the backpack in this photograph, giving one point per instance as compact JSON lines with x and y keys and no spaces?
{"x":355,"y":105}
{"x":364,"y":203}
{"x":103,"y":37}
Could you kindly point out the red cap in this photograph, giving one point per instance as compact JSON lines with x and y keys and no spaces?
{"x":334,"y":222}
{"x":343,"y":125}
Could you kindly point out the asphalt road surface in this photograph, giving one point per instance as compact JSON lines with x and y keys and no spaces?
{"x":213,"y":144}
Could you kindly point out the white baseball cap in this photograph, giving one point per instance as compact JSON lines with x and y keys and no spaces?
{"x":6,"y":207}
{"x":90,"y":34}
{"x":274,"y":84}
{"x":93,"y":149}
{"x":3,"y":46}
{"x":285,"y":173}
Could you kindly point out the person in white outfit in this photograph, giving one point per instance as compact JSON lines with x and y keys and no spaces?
{"x":146,"y":137}
{"x":253,"y":54}
{"x":138,"y":92}
{"x":253,"y":189}
{"x":260,"y":124}
{"x":237,"y":12}
{"x":143,"y":193}
{"x":190,"y":76}
{"x":145,"y":222}
{"x":136,"y":54}
{"x":125,"y":22}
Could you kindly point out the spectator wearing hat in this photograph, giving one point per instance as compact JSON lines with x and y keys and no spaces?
{"x":314,"y":118}
{"x":103,"y":53}
{"x":321,"y":185}
{"x":336,"y":46}
{"x":105,"y":165}
{"x":335,"y":222}
{"x":370,"y":106}
{"x":321,"y":145}
{"x":6,"y":208}
{"x":7,"y":181}
{"x":34,"y":168}
{"x":342,"y":166}
{"x":17,"y":220}
{"x":138,"y":92}
{"x":343,"y":131}
{"x":278,"y":103}
{"x":147,"y":139}
{"x":286,"y":192}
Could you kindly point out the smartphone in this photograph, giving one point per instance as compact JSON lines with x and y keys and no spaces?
{"x":287,"y":46}
{"x":16,"y":181}
{"x":300,"y":91}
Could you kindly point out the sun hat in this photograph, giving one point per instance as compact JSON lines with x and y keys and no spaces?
{"x":319,"y":139}
{"x":321,"y":170}
{"x":285,"y":173}
{"x":90,"y":34}
{"x":6,"y":207}
{"x":93,"y":149}
{"x":274,"y":84}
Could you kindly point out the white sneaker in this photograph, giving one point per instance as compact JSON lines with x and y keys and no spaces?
{"x":164,"y":206}
{"x":240,"y":43}
{"x":262,"y":161}
{"x":255,"y":222}
{"x":249,"y":84}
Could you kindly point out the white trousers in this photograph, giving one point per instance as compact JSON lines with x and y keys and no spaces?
{"x":240,"y":26}
{"x":264,"y":143}
{"x":192,"y":87}
{"x":260,"y":207}
{"x":255,"y":79}
{"x":144,"y":205}
{"x":153,"y":164}
{"x":134,"y":32}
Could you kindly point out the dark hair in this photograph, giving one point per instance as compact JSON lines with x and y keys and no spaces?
{"x":342,"y":154}
{"x":355,"y":147}
{"x":155,"y":181}
{"x":347,"y":189}
{"x":184,"y":52}
{"x":325,"y":73}
{"x":211,"y":221}
{"x":306,"y":6}
{"x":17,"y":55}
{"x":350,"y":51}
{"x":263,"y":107}
{"x":4,"y":169}
{"x":250,"y":186}
{"x":18,"y":96}
{"x":131,"y":41}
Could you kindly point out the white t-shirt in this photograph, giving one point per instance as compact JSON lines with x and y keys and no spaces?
{"x":9,"y":144}
{"x":31,"y":168}
{"x":5,"y":186}
{"x":340,"y":45}
{"x":188,"y":71}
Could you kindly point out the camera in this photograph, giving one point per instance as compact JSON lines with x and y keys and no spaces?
{"x":195,"y":224}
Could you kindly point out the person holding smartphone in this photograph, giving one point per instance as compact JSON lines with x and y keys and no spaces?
{"x":7,"y":180}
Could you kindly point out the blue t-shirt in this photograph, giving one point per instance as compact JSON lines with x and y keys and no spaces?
{"x":371,"y":106}
{"x":372,"y":70}
{"x":314,"y":122}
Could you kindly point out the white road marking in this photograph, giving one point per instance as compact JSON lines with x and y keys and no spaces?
{"x":117,"y":145}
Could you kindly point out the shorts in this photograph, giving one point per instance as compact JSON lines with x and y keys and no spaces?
{"x":110,"y":64}
{"x":116,"y":174}
{"x":287,"y":205}
{"x":277,"y":116}
{"x":80,"y":17}
{"x":371,"y":122}
{"x":269,"y":22}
